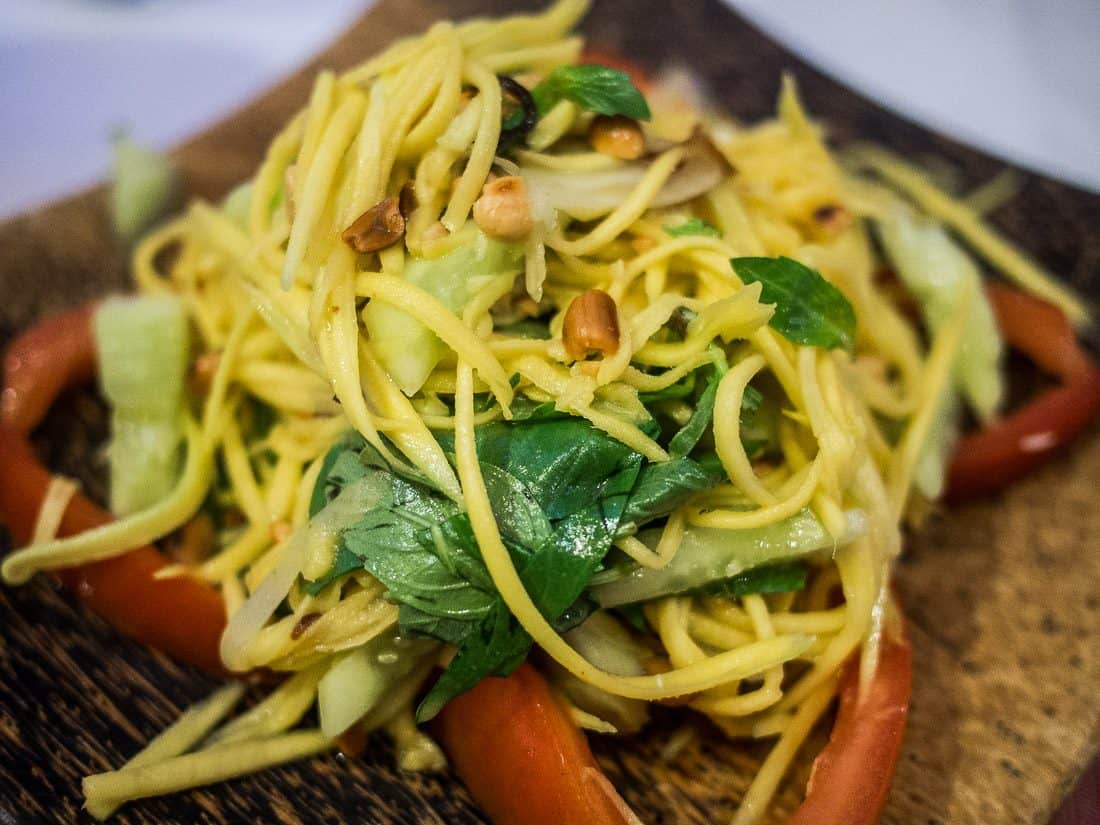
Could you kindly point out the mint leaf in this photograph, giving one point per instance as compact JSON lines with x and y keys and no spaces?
{"x":695,"y":226}
{"x":599,"y":89}
{"x":808,"y":309}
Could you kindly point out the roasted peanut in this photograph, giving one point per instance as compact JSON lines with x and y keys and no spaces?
{"x":591,"y":324}
{"x":617,"y":136}
{"x":503,"y":210}
{"x":380,"y":226}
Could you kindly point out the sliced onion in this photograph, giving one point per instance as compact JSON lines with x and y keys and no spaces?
{"x":588,"y":195}
{"x":245,"y":625}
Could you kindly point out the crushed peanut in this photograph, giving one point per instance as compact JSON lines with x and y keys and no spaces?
{"x":617,"y":136}
{"x":380,"y":226}
{"x":591,"y":325}
{"x":504,"y":210}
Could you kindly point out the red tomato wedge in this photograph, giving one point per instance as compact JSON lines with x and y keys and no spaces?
{"x":1005,"y":450}
{"x":851,"y":776}
{"x":1040,"y":330}
{"x":56,"y":353}
{"x":1000,"y":453}
{"x":523,"y":758}
{"x":180,"y":616}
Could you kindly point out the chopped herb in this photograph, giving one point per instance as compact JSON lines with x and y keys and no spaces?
{"x":599,"y":89}
{"x":808,"y":309}
{"x":695,"y":226}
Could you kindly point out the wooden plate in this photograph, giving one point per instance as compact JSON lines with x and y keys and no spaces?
{"x":1002,"y":596}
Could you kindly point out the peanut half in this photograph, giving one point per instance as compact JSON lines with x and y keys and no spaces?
{"x":503,"y":210}
{"x":380,"y":226}
{"x":591,"y":325}
{"x":617,"y":136}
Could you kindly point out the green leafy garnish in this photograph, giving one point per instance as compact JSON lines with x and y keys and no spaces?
{"x":599,"y":89}
{"x":808,"y":309}
{"x":701,"y":417}
{"x":694,"y":226}
{"x":558,"y":488}
{"x":771,"y":578}
{"x":664,"y":486}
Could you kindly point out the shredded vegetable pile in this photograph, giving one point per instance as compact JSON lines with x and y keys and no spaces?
{"x":505,"y":355}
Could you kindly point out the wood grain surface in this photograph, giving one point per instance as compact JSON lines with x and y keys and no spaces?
{"x":1002,"y":595}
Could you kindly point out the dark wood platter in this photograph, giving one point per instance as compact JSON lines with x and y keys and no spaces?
{"x":1002,"y":595}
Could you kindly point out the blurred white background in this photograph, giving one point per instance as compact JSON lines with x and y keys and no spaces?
{"x":1020,"y":78}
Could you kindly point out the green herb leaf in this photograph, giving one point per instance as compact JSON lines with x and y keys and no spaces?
{"x":599,"y":89}
{"x":688,"y":436}
{"x":694,"y":226}
{"x":558,"y":489}
{"x":772,"y":578}
{"x":808,"y":309}
{"x":663,"y":487}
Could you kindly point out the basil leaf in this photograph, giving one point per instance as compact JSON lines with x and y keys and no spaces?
{"x":808,"y":309}
{"x":688,"y":436}
{"x":599,"y":89}
{"x":558,"y":488}
{"x":694,"y":226}
{"x":759,"y":429}
{"x":340,"y":467}
{"x":664,"y":486}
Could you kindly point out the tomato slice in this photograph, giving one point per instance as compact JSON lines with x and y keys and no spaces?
{"x":851,"y":776}
{"x":56,"y":353}
{"x":522,"y":757}
{"x":1005,"y":450}
{"x":180,"y":616}
{"x":1040,"y":330}
{"x":1001,"y":453}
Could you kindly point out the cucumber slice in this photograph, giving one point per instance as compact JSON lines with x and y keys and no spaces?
{"x":710,"y":555}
